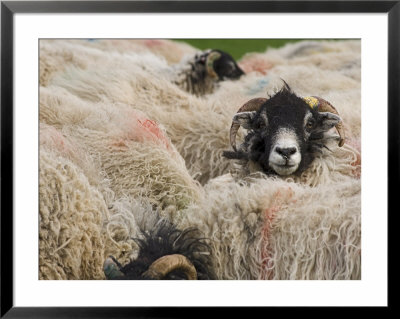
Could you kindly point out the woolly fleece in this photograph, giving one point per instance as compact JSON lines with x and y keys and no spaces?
{"x":119,"y":140}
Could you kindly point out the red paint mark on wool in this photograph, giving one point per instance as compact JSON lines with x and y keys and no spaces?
{"x":153,"y":43}
{"x":153,"y":128}
{"x":279,"y":199}
{"x":269,"y":215}
{"x":255,"y":64}
{"x":357,"y":167}
{"x":356,"y":144}
{"x":52,"y":137}
{"x":137,"y":127}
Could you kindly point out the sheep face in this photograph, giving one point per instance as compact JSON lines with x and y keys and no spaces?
{"x":201,"y":74}
{"x":226,"y":67}
{"x":284,"y":134}
{"x":218,"y":65}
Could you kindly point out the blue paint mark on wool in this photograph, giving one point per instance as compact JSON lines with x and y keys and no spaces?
{"x":260,"y":86}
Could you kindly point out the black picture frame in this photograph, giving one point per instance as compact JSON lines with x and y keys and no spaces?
{"x":9,"y":8}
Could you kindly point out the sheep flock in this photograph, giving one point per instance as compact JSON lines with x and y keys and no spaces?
{"x":122,"y":144}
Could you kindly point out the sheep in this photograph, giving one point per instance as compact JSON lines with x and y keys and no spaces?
{"x":129,"y":132}
{"x":200,"y":74}
{"x":71,"y":214}
{"x":131,"y":151}
{"x":172,"y":51}
{"x":285,"y":132}
{"x":138,"y":81}
{"x":270,"y":228}
{"x":197,"y":72}
{"x":91,"y":158}
{"x":165,"y":252}
{"x":82,"y":221}
{"x":55,"y":55}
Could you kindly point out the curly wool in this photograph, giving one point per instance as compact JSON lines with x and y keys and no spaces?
{"x":258,"y":225}
{"x":165,"y":103}
{"x":141,"y":170}
{"x":55,"y":55}
{"x":274,"y":229}
{"x":233,"y":215}
{"x":82,"y":220}
{"x":72,"y":213}
{"x":110,"y":151}
{"x":172,"y":51}
{"x":78,"y":230}
{"x":133,"y":152}
{"x":199,"y":141}
{"x":319,"y":237}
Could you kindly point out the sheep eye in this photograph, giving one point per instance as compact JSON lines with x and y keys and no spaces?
{"x":310,"y":124}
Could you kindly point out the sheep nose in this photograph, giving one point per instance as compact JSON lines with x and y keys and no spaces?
{"x":286,"y":152}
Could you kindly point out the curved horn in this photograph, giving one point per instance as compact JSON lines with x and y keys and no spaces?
{"x":252,"y":105}
{"x":213,"y":56}
{"x":325,"y":106}
{"x":111,"y":269}
{"x":163,"y":265}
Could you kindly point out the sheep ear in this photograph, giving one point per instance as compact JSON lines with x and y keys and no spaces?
{"x":244,"y":119}
{"x":328,"y":120}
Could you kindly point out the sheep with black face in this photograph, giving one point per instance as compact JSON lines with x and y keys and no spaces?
{"x":285,"y":132}
{"x":165,"y":253}
{"x":200,"y":74}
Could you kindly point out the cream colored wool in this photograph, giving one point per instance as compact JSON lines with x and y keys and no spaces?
{"x":132,"y":152}
{"x":258,"y":225}
{"x":231,"y":216}
{"x":276,"y":229}
{"x":52,"y":139}
{"x":339,"y":56}
{"x":57,"y":56}
{"x":172,"y":51}
{"x":319,"y":236}
{"x":142,"y":170}
{"x":201,"y":142}
{"x":129,"y":218}
{"x":81,"y":209}
{"x":120,"y":157}
{"x":77,"y":229}
{"x":186,"y":129}
{"x":72,"y":213}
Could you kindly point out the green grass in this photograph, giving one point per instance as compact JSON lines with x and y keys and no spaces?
{"x":238,"y":47}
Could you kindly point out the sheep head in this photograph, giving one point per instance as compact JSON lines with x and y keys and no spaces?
{"x":201,"y":74}
{"x":219,"y":65}
{"x":165,"y":253}
{"x":162,"y":268}
{"x":285,"y":132}
{"x":222,"y":66}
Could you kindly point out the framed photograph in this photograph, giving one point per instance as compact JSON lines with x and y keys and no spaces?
{"x":248,"y":146}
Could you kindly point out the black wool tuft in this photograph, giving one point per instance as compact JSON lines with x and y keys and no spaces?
{"x":165,"y":239}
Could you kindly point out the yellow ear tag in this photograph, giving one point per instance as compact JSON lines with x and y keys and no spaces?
{"x":311,"y":101}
